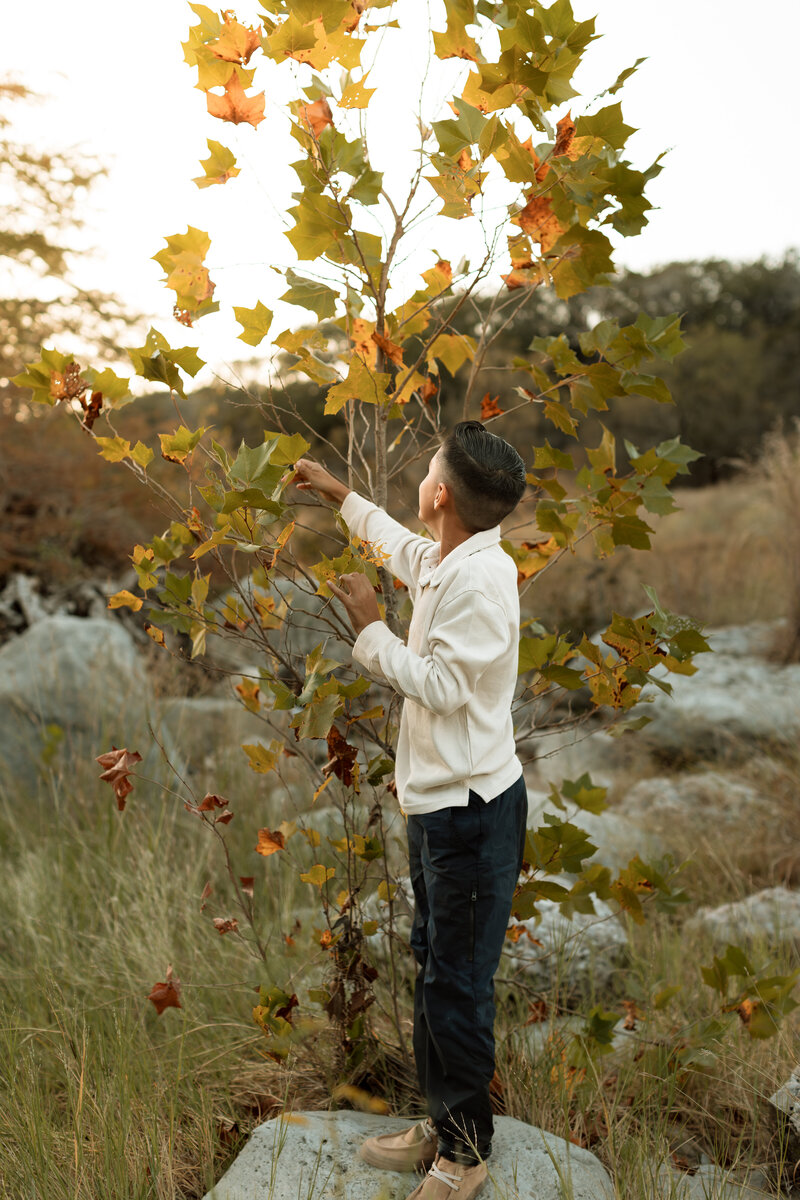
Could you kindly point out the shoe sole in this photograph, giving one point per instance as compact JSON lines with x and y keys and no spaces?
{"x":376,"y":1159}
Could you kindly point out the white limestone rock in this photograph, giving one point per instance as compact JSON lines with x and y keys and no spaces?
{"x":567,"y":952}
{"x":69,"y":688}
{"x":769,"y":915}
{"x":312,"y":1156}
{"x":702,"y":800}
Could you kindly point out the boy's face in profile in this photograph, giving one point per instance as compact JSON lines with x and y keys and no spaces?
{"x":428,"y":490}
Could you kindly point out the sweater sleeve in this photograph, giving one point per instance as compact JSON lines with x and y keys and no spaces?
{"x":372,"y":524}
{"x":467,"y":634}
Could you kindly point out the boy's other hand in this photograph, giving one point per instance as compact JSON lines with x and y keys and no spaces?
{"x":313,"y":477}
{"x":358,"y":596}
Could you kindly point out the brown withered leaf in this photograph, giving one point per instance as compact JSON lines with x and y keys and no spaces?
{"x":69,"y":385}
{"x":391,"y":350}
{"x":211,"y":801}
{"x":166,"y":994}
{"x":490,"y":408}
{"x":236,"y":105}
{"x":316,"y":116}
{"x":236,"y":42}
{"x":92,"y":410}
{"x":226,"y":925}
{"x":537,"y":1012}
{"x":270,"y":841}
{"x":118,"y":765}
{"x":206,"y":892}
{"x":286,"y":1010}
{"x":565,"y":132}
{"x":632,"y":1014}
{"x":247,"y":882}
{"x":341,"y":757}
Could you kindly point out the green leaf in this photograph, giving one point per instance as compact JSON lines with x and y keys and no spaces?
{"x":606,"y":124}
{"x":255,"y":323}
{"x":254,"y":466}
{"x":630,"y":530}
{"x":175,"y":447}
{"x":311,"y":294}
{"x":585,"y":794}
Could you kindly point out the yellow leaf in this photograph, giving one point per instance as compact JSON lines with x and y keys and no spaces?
{"x":318,"y":875}
{"x":356,"y":95}
{"x":125,"y":599}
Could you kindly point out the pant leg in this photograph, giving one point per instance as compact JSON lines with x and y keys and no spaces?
{"x":464,"y":864}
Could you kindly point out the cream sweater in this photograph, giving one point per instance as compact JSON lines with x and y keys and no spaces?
{"x":459,"y":669}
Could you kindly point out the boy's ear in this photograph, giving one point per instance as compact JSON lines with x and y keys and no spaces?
{"x":442,"y":495}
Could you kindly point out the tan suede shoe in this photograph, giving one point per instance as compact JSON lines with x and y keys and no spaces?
{"x":415,"y":1147}
{"x":451,"y":1181}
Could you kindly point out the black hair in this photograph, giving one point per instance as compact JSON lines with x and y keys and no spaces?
{"x":485,"y":475}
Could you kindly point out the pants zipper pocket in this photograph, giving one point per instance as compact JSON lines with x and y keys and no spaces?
{"x":473,"y":898}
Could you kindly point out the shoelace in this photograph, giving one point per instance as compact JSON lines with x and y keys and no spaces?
{"x":452,"y":1180}
{"x":425,"y":1126}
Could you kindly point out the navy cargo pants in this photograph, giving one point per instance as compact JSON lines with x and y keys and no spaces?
{"x":464,"y":865}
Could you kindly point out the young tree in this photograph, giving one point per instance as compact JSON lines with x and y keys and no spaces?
{"x":539,"y":191}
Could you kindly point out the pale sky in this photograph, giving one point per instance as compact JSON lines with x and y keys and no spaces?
{"x":718,"y":91}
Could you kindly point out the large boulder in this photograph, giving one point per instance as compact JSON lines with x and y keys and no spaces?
{"x":767,"y":916}
{"x":698,"y":802}
{"x":735,"y":699}
{"x":314,"y":1156}
{"x":69,"y":689}
{"x":568,"y":954}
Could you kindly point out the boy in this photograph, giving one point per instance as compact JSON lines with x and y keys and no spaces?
{"x":458,"y":779}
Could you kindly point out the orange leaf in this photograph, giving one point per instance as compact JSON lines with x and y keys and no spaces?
{"x":361,"y":337}
{"x":316,"y":116}
{"x":389,"y":348}
{"x":539,"y":221}
{"x":235,"y":106}
{"x":166,"y":994}
{"x":464,"y":160}
{"x":326,"y":939}
{"x":490,"y":408}
{"x":429,"y":389}
{"x":565,"y":132}
{"x":236,"y":43}
{"x":270,"y":842}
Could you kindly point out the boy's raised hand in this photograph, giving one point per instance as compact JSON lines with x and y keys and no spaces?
{"x":358,"y":597}
{"x":313,"y":477}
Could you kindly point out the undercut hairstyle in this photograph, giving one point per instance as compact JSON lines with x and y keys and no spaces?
{"x":485,"y":475}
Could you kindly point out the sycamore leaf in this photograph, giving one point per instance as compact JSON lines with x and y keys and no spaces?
{"x":392,"y":351}
{"x":269,"y":842}
{"x":315,"y":116}
{"x":452,"y":350}
{"x":175,"y":447}
{"x":318,"y":875}
{"x":236,"y":42}
{"x":565,"y":132}
{"x":255,"y":323}
{"x":167,"y":993}
{"x":226,"y":924}
{"x":262,"y":759}
{"x":235,"y":105}
{"x":125,"y":599}
{"x":361,"y":384}
{"x":219,"y":167}
{"x":357,"y":95}
{"x":540,"y":222}
{"x":490,"y":408}
{"x":341,"y":758}
{"x":311,"y":294}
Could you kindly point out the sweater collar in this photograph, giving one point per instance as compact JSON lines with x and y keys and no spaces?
{"x":433,"y":570}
